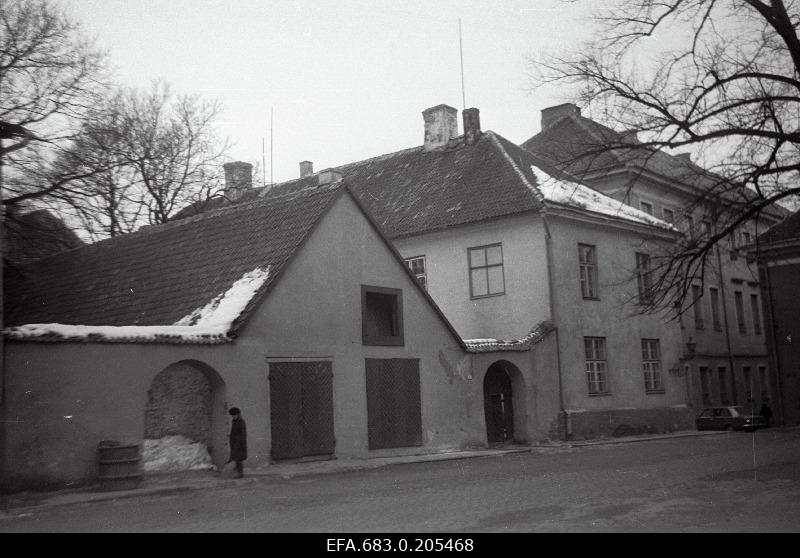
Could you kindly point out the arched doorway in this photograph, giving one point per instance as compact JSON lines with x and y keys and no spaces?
{"x":184,"y":418}
{"x":498,"y":405}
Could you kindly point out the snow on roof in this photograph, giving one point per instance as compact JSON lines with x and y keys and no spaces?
{"x":578,"y":195}
{"x":489,"y":345}
{"x":208,"y":324}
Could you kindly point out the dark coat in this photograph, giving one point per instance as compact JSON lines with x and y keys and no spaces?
{"x":238,"y":440}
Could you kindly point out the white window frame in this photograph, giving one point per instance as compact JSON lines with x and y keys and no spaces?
{"x":651,"y":366}
{"x":422,"y":278}
{"x":486,"y":267}
{"x":596,"y":365}
{"x":588,"y":272}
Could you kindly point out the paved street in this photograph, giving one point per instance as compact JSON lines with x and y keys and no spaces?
{"x":726,"y":482}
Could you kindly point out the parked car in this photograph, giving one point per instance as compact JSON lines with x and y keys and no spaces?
{"x":730,"y":418}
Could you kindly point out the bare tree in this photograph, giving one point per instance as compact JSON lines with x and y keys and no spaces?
{"x":718,"y":77}
{"x":51,"y":75}
{"x":153,"y":153}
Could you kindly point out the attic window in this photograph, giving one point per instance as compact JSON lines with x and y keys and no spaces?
{"x":381,"y":316}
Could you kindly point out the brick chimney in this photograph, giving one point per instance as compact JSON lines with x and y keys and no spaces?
{"x":306,"y":168}
{"x":551,"y":115}
{"x":472,"y":125}
{"x":441,"y":125}
{"x":329,"y":176}
{"x":238,"y":179}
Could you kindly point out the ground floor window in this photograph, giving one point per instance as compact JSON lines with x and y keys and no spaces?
{"x":394,"y":415}
{"x":595,"y":350}
{"x":651,"y":365}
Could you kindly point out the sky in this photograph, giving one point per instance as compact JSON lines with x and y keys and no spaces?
{"x":334,"y":82}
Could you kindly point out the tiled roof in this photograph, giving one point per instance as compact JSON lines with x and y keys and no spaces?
{"x":163,"y":273}
{"x":786,"y":230}
{"x":414,"y":191}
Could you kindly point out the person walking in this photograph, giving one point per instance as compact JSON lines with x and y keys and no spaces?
{"x":238,"y":441}
{"x":766,"y":412}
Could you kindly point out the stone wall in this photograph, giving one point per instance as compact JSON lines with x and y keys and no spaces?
{"x":179,"y":402}
{"x":628,"y":422}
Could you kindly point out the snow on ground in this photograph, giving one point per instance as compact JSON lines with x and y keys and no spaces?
{"x":572,"y":193}
{"x":175,"y":453}
{"x":210,"y":321}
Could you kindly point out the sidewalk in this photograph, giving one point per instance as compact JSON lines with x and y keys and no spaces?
{"x":165,"y":483}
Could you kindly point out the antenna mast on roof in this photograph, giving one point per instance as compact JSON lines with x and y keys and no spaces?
{"x":461,"y":54}
{"x":270,"y":145}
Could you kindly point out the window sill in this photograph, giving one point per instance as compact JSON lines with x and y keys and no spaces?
{"x":604,"y":394}
{"x":486,"y":296}
{"x":383,"y":341}
{"x":655,"y":391}
{"x":591,"y":298}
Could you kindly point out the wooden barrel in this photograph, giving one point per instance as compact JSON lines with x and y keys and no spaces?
{"x":120,"y":465}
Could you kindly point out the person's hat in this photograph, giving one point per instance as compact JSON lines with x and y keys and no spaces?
{"x":234,"y":411}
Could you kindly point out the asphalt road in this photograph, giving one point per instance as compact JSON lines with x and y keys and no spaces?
{"x":726,"y":482}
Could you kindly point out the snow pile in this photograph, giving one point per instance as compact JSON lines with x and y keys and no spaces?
{"x":577,"y":195}
{"x":209,"y":323}
{"x":226,"y":307}
{"x":175,"y":453}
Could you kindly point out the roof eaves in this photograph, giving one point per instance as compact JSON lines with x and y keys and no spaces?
{"x":537,"y":334}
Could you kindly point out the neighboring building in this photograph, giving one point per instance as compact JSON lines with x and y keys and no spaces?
{"x":778,"y":255}
{"x":723,"y":340}
{"x":293,"y":308}
{"x":33,"y":235}
{"x":502,"y":247}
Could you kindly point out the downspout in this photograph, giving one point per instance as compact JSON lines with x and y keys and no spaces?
{"x":774,"y":355}
{"x":564,"y":426}
{"x":725,"y":322}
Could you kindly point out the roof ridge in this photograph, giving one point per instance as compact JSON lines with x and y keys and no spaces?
{"x":537,"y":193}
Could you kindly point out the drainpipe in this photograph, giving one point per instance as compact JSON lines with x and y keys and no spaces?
{"x":725,"y":320}
{"x":564,"y":426}
{"x":774,"y":355}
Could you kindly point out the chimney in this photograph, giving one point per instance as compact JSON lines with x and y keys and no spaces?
{"x":472,"y":125}
{"x":328,"y":176}
{"x":238,"y":179}
{"x":441,"y":125}
{"x":306,"y":168}
{"x":551,"y":115}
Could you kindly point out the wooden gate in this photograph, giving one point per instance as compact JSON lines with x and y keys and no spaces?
{"x":394,"y":417}
{"x":498,"y":406}
{"x":301,"y":409}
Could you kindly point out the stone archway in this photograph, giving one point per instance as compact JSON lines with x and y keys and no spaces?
{"x":186,"y":399}
{"x":504,"y":403}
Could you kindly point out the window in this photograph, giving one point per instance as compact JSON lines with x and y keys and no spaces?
{"x":417,"y":267}
{"x":734,"y":254}
{"x":651,"y":365}
{"x":715,"y":308}
{"x":738,"y":299}
{"x":647,"y":207}
{"x":587,"y":256}
{"x":689,"y":225}
{"x":705,"y":385}
{"x":748,"y":382}
{"x":745,"y":237}
{"x":595,"y":348}
{"x":381,"y":316}
{"x":754,"y":308}
{"x":643,"y":277}
{"x":669,"y":215}
{"x":486,"y":271}
{"x":697,"y":304}
{"x":723,"y":385}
